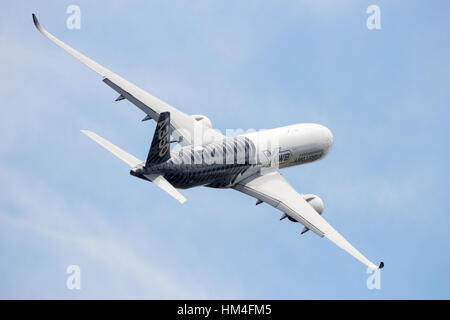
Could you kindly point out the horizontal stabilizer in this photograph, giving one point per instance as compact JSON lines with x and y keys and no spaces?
{"x":119,"y":153}
{"x":161,"y":182}
{"x":157,"y":179}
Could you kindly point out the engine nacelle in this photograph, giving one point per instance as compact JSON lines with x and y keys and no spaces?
{"x":315,"y":202}
{"x":204,"y":133}
{"x":202,"y":119}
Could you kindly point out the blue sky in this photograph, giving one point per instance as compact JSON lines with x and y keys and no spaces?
{"x":383,"y":93}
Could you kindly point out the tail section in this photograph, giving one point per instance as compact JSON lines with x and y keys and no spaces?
{"x":132,"y":161}
{"x":160,"y":148}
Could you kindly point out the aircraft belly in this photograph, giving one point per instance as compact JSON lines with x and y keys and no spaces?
{"x":216,"y":176}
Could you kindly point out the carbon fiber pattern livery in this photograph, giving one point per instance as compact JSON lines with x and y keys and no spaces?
{"x":160,"y":147}
{"x":214,"y":165}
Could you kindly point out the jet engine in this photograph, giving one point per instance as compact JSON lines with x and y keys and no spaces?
{"x":206,"y":132}
{"x":202,"y":119}
{"x":314,"y":202}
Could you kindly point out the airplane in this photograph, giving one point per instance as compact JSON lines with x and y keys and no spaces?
{"x":248,"y":163}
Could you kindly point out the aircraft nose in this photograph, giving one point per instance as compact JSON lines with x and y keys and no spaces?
{"x":327,"y":137}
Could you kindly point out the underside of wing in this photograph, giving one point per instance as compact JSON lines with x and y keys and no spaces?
{"x":183,"y":127}
{"x":273,"y":189}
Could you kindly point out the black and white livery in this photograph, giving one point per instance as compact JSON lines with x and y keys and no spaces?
{"x":248,"y":163}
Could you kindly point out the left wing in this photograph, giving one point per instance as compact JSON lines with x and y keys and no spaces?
{"x":182,"y":125}
{"x":273,"y":189}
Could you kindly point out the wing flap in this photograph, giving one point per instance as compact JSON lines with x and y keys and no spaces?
{"x":273,"y":189}
{"x":263,"y":188}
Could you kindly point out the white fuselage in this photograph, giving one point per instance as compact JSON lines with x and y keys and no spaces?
{"x":295,"y":144}
{"x":224,"y":163}
{"x":288,"y":146}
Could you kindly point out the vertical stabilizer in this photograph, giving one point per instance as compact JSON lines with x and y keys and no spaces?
{"x":160,"y":148}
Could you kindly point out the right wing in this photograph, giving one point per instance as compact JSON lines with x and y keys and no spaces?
{"x":273,"y":189}
{"x":182,"y":125}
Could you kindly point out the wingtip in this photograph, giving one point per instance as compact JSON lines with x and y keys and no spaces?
{"x":381,"y":266}
{"x":37,"y":24}
{"x":35,"y":20}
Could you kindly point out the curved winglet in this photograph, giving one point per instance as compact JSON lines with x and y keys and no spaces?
{"x":36,"y":21}
{"x":182,"y":123}
{"x":105,"y":73}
